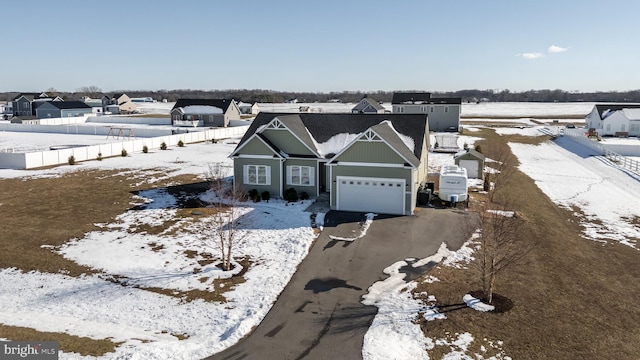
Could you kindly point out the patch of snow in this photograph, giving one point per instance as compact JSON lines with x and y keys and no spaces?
{"x":201,"y":109}
{"x":336,"y":143}
{"x":476,"y":304}
{"x":363,"y":229}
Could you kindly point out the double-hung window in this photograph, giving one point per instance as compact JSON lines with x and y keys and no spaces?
{"x":257,"y":175}
{"x":300,"y":175}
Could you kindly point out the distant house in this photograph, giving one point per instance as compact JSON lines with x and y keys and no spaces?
{"x":146,"y":99}
{"x":204,"y":112}
{"x":60,"y":109}
{"x":6,"y":108}
{"x":444,"y":113}
{"x":368,"y":106}
{"x":99,"y":105}
{"x":614,"y":119}
{"x":248,"y":109}
{"x":120,"y":99}
{"x":471,"y":160}
{"x":366,"y":162}
{"x":25,"y":104}
{"x":125,"y":106}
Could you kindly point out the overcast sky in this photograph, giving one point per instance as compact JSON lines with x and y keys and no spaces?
{"x":320,"y":46}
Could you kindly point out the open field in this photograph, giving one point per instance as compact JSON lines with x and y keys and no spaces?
{"x":113,"y":255}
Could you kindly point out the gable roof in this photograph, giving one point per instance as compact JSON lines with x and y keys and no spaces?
{"x":470,"y":152}
{"x":321,"y":127}
{"x":410,"y":97}
{"x":219,"y":103}
{"x":605,"y":109}
{"x":389,"y":134}
{"x":372,"y":102}
{"x":31,"y":95}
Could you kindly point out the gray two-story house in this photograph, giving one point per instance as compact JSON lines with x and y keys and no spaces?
{"x":204,"y":112}
{"x":444,"y":113}
{"x":25,"y":104}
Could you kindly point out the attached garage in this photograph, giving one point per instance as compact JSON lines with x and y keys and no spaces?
{"x":367,"y":194}
{"x":473,"y":161}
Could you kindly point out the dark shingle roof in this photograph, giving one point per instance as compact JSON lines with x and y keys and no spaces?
{"x":65,"y":105}
{"x":410,"y":97}
{"x":323,"y":126}
{"x":602,"y":108}
{"x":219,"y":103}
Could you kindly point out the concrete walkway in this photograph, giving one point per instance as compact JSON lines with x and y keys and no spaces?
{"x":319,"y":314}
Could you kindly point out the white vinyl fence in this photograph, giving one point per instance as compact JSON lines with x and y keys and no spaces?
{"x":613,"y":152}
{"x":56,"y":157}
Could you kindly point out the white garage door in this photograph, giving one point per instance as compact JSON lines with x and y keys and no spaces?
{"x":472,"y":168}
{"x":379,"y":195}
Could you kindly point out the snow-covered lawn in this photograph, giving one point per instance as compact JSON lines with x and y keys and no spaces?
{"x":606,"y":194}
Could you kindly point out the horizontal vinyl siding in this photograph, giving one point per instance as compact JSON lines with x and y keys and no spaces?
{"x":371,"y":152}
{"x":285,"y":141}
{"x":273,"y":189}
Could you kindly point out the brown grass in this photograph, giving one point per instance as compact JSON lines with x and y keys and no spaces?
{"x":52,"y":211}
{"x":573,"y":298}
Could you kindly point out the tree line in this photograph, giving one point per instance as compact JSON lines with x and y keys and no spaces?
{"x":273,"y":96}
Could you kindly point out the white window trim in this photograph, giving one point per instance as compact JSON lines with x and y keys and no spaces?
{"x":299,"y":168}
{"x":245,"y":174}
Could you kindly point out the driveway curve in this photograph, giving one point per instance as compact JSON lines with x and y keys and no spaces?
{"x":319,"y":314}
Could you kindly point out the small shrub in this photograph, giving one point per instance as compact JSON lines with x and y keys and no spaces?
{"x":252,"y":194}
{"x":486,"y":185}
{"x":72,"y":160}
{"x":163,"y":146}
{"x":304,"y":196}
{"x":123,"y":153}
{"x":145,"y":149}
{"x":291,"y":195}
{"x":479,"y":149}
{"x":266,"y":196}
{"x":180,"y":143}
{"x":256,"y":198}
{"x":99,"y":158}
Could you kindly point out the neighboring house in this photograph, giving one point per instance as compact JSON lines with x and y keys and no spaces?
{"x":99,"y":105}
{"x":25,"y":120}
{"x":614,"y":119}
{"x":367,"y":162}
{"x":60,"y":109}
{"x":444,"y":113}
{"x":204,"y":112}
{"x":146,"y":99}
{"x":24,"y":104}
{"x":120,"y":99}
{"x":248,"y":109}
{"x":471,"y":160}
{"x":6,"y":108}
{"x":368,"y":106}
{"x":127,"y":108}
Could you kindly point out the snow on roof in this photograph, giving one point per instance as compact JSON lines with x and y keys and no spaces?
{"x":631,"y":114}
{"x":201,"y":109}
{"x":407,"y":140}
{"x":335,"y":144}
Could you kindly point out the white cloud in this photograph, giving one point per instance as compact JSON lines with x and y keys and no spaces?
{"x":531,"y":56}
{"x":556,"y":49}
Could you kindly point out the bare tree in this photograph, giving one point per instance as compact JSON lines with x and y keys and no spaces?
{"x":226,"y":215}
{"x":498,"y":229}
{"x":90,"y":91}
{"x":500,"y":233}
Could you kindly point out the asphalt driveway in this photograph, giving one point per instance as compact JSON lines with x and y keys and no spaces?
{"x":319,"y":314}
